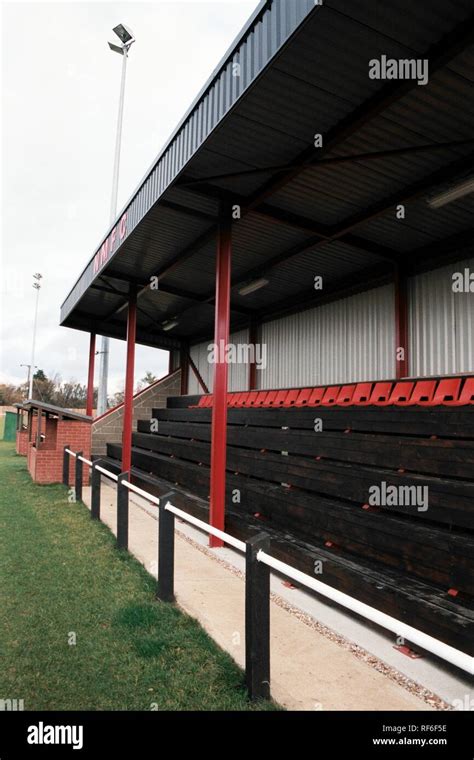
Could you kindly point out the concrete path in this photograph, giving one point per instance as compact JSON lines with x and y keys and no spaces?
{"x":309,"y":670}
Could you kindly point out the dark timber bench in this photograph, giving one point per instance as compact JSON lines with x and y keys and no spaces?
{"x":310,"y":491}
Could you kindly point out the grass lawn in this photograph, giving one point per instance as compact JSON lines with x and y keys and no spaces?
{"x":61,"y":577}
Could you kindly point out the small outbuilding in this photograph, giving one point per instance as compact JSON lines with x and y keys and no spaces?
{"x":48,"y":429}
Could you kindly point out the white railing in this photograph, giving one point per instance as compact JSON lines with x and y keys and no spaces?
{"x":425,"y":641}
{"x":141,"y":492}
{"x":107,"y":473}
{"x":444,"y":651}
{"x":231,"y":540}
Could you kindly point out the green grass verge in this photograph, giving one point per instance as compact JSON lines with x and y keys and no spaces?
{"x":60,"y":574}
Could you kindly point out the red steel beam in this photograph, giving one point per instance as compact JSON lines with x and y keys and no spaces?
{"x":401,"y":325}
{"x":219,"y":408}
{"x":90,"y":377}
{"x":129,"y":380}
{"x":197,"y":374}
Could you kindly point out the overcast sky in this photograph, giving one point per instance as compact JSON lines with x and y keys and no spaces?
{"x":60,"y":85}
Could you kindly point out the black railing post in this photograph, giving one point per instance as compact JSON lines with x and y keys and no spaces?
{"x":257,"y":619}
{"x":95,"y":490}
{"x":78,"y":481}
{"x":122,"y":512}
{"x":66,"y":466}
{"x":165,"y":587}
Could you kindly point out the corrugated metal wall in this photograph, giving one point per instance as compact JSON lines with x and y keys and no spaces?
{"x":343,"y":341}
{"x":353,"y":339}
{"x":441,"y":323}
{"x":238,"y":373}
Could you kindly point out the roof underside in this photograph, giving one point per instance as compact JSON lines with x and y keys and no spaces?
{"x":53,"y":411}
{"x":327,"y":211}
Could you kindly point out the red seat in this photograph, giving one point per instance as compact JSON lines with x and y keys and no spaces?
{"x":205,"y":401}
{"x":330,"y":395}
{"x":279,"y":399}
{"x":466,"y":396}
{"x":401,"y":394}
{"x":250,"y":399}
{"x":260,"y":400}
{"x":344,"y":397}
{"x":361,"y":395}
{"x":241,"y":398}
{"x":316,"y":396}
{"x":423,"y":392}
{"x":232,"y":399}
{"x":291,"y":398}
{"x":303,"y":397}
{"x":447,"y":390}
{"x":270,"y":397}
{"x":381,"y":394}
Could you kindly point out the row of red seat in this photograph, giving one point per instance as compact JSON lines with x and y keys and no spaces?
{"x":450,"y":392}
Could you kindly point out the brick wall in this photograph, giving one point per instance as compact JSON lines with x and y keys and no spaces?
{"x":77,"y":436}
{"x":22,"y":442}
{"x":23,"y":437}
{"x":45,"y":464}
{"x":108,"y":427}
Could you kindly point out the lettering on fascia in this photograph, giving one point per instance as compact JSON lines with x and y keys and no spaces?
{"x":110,"y":244}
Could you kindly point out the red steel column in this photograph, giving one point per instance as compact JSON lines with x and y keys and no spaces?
{"x":90,"y":377}
{"x":219,"y":407}
{"x":129,"y":380}
{"x":401,"y":325}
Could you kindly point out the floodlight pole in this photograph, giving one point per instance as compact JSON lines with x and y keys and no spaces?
{"x":37,"y":287}
{"x":118,"y":139}
{"x":28,"y":366}
{"x":90,"y":377}
{"x":104,"y":345}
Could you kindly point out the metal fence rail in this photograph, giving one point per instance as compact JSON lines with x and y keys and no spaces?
{"x":258,"y":563}
{"x":235,"y":542}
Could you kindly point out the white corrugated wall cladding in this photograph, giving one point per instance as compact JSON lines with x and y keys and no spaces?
{"x":238,"y":373}
{"x":345,"y":341}
{"x":441,"y":323}
{"x":199,"y":356}
{"x":353,"y":339}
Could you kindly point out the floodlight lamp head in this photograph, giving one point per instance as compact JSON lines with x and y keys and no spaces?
{"x":124,"y":34}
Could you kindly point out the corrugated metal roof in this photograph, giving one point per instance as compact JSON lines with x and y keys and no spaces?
{"x":304,"y":70}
